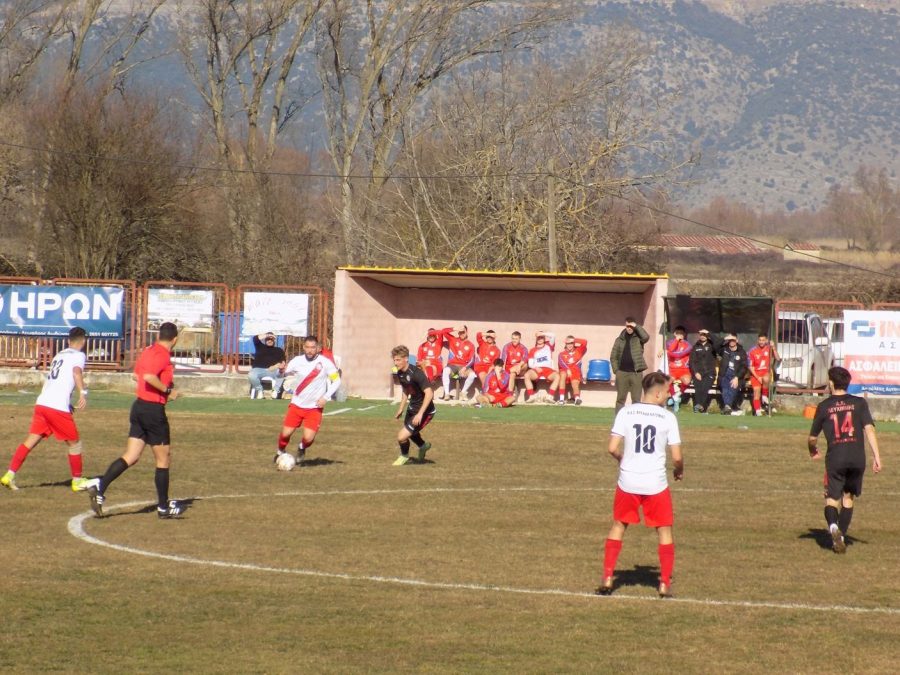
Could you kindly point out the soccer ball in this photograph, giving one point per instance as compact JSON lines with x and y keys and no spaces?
{"x":285,"y":462}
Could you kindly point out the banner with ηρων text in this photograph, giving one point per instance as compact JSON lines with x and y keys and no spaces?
{"x":51,"y":311}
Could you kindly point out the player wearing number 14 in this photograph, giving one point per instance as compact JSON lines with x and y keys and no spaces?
{"x":847,"y":424}
{"x":647,"y":429}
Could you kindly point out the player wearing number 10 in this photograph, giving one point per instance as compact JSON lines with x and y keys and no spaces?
{"x":847,"y":423}
{"x":647,"y":429}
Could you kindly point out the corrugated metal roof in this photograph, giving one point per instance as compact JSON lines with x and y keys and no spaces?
{"x":803,"y":246}
{"x":712,"y":243}
{"x":501,"y":273}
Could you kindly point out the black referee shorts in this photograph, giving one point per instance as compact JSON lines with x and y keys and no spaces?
{"x":149,"y":423}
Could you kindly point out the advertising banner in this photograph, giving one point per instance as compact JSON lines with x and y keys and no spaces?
{"x":187,"y":308}
{"x":872,"y":351}
{"x":281,"y":313}
{"x":51,"y":311}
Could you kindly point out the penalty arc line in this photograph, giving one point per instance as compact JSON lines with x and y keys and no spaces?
{"x":76,"y":529}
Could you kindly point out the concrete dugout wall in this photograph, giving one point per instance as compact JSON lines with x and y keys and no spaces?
{"x":377,"y":309}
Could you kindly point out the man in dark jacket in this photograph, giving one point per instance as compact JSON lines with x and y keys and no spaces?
{"x":732,"y":373}
{"x":702,"y":363}
{"x":627,"y":362}
{"x":268,"y":361}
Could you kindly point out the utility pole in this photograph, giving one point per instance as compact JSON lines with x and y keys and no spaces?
{"x":551,"y":219}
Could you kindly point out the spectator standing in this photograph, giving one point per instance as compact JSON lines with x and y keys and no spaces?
{"x":732,"y":373}
{"x":570,"y":358}
{"x":702,"y":363}
{"x":268,"y":361}
{"x":627,"y":361}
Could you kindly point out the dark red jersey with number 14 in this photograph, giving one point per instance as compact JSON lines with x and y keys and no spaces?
{"x":842,"y":419}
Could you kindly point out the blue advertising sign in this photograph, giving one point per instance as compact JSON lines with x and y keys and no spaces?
{"x":51,"y":311}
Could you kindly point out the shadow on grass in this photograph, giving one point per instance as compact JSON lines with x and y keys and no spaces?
{"x":823,"y":538}
{"x":319,"y":461}
{"x":151,"y":508}
{"x":641,"y":575}
{"x":57,"y":483}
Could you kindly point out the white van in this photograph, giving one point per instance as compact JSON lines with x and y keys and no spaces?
{"x":835,"y":330}
{"x":805,"y":350}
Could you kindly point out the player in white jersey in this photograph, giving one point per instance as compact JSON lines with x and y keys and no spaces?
{"x":315,"y":380}
{"x":53,"y":411}
{"x":647,"y":429}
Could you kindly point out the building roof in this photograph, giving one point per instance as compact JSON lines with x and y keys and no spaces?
{"x":723,"y":244}
{"x":803,"y":246}
{"x":512,"y":281}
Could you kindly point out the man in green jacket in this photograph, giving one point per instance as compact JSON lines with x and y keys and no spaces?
{"x":627,"y":361}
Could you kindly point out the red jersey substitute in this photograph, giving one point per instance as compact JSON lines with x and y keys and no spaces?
{"x":760,"y":360}
{"x":487,"y":354}
{"x":513,"y":355}
{"x":679,"y":354}
{"x":462,"y":352}
{"x":570,"y":361}
{"x":154,"y":360}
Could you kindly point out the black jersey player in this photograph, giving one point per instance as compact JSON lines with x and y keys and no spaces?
{"x":847,"y":424}
{"x":417,"y":390}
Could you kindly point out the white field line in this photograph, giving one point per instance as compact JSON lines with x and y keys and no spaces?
{"x":76,"y":529}
{"x":338,"y":411}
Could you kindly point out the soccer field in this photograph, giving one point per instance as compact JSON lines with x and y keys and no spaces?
{"x":483,"y":559}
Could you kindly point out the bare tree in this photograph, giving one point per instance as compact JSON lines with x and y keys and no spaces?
{"x":377,"y":60}
{"x":240,"y":57}
{"x":524,"y":143}
{"x":869,"y":210}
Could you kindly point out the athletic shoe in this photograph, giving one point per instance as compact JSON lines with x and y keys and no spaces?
{"x":605,"y":588}
{"x":82,"y":484}
{"x":737,"y":413}
{"x":278,"y":454}
{"x":838,"y":545}
{"x":561,"y":401}
{"x":665,"y":591}
{"x":476,"y":405}
{"x":425,"y":448}
{"x":670,"y":401}
{"x":97,"y":500}
{"x":578,"y":400}
{"x":726,"y":410}
{"x":765,"y":400}
{"x":698,"y":409}
{"x":757,"y":413}
{"x":401,"y":460}
{"x":301,"y":454}
{"x":172,"y":510}
{"x":9,"y":481}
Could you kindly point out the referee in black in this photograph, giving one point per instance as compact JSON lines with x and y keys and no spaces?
{"x":847,"y":423}
{"x":418,"y":390}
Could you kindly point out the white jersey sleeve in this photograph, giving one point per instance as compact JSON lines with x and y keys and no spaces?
{"x":312,"y":380}
{"x":647,"y":430}
{"x":60,"y":380}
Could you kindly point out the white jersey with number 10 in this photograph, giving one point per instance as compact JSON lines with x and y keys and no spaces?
{"x":648,"y":430}
{"x":57,"y":391}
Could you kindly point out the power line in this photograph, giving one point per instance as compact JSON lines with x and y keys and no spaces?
{"x":512,"y":174}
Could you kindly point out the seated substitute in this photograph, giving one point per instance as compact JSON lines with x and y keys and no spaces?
{"x":429,"y":355}
{"x":459,"y":362}
{"x":515,"y":358}
{"x":540,"y":365}
{"x":702,"y":363}
{"x":678,"y":353}
{"x":570,"y":358}
{"x":495,"y":390}
{"x":732,"y":373}
{"x":486,"y":354}
{"x":268,"y":361}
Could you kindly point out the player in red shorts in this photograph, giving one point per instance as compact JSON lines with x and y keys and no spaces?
{"x":647,"y":429}
{"x":316,"y":380}
{"x":515,"y":358}
{"x":678,"y":352}
{"x":570,"y":367}
{"x":495,"y":390}
{"x":53,"y":411}
{"x":761,"y":360}
{"x":486,"y":354}
{"x":540,"y":365}
{"x":429,"y":355}
{"x":459,"y":362}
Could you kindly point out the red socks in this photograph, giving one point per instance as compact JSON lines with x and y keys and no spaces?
{"x":283,"y":442}
{"x":75,"y":465}
{"x":19,"y":457}
{"x":756,"y":405}
{"x":666,"y":562}
{"x":610,"y":556}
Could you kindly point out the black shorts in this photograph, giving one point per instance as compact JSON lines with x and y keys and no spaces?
{"x":149,"y":423}
{"x":841,"y":478}
{"x":426,"y":418}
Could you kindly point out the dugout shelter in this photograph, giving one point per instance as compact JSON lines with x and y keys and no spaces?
{"x":376,"y":309}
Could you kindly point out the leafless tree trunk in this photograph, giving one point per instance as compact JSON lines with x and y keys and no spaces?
{"x":377,"y":60}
